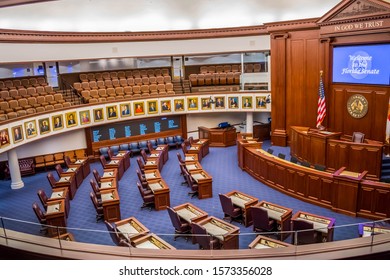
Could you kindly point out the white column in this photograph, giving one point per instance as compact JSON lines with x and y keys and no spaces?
{"x":13,"y":164}
{"x":249,"y":122}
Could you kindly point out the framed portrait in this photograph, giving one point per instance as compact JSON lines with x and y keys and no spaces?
{"x":192,"y":103}
{"x":112,"y":112}
{"x":4,"y":138}
{"x":98,"y":114}
{"x":58,"y":122}
{"x":152,"y":107}
{"x":139,"y":108}
{"x":44,"y":126}
{"x":17,"y":133}
{"x":179,"y":104}
{"x":233,"y":102}
{"x":125,"y":110}
{"x":85,"y":117}
{"x":220,"y":102}
{"x":261,"y":102}
{"x":71,"y":119}
{"x":31,"y":129}
{"x":206,"y":104}
{"x":166,"y":106}
{"x":246,"y":102}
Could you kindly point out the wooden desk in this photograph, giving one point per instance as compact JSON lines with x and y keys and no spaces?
{"x":163,"y":149}
{"x":205,"y":183}
{"x":110,"y":174}
{"x":152,"y":241}
{"x":282,"y":215}
{"x":68,"y":182}
{"x":152,"y":174}
{"x":245,"y":141}
{"x":161,"y":191}
{"x":323,"y":225}
{"x":156,"y":156}
{"x":193,"y":166}
{"x":227,"y":234}
{"x":195,"y":150}
{"x":263,"y":242}
{"x":152,"y":163}
{"x":244,"y":201}
{"x":66,"y":237}
{"x":116,"y":164}
{"x":108,"y":183}
{"x":84,"y":165}
{"x":191,"y":214}
{"x":59,"y":194}
{"x":110,"y":202}
{"x":371,"y":229}
{"x":75,"y":171}
{"x":131,"y":229}
{"x":218,"y":137}
{"x":191,"y":158}
{"x":56,"y":217}
{"x":125,"y":156}
{"x":205,"y":144}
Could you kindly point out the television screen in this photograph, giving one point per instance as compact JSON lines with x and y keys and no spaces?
{"x":362,"y":64}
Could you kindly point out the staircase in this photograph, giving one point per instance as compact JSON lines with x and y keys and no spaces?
{"x":181,"y":86}
{"x":385,"y":175}
{"x":68,"y":93}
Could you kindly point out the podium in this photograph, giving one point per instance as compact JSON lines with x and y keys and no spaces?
{"x":218,"y":137}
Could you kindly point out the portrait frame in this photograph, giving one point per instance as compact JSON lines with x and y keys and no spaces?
{"x":261,"y":102}
{"x":219,"y":105}
{"x":112,"y":112}
{"x":98,"y":115}
{"x":192,"y":103}
{"x":4,"y":133}
{"x":179,"y":104}
{"x":14,"y":136}
{"x":27,"y":127}
{"x":125,"y":109}
{"x":42,"y":129}
{"x":69,"y":116}
{"x":243,"y":102}
{"x":166,"y":108}
{"x":61,"y":123}
{"x":233,"y":102}
{"x":205,"y":103}
{"x":150,"y":108}
{"x":139,"y":108}
{"x":87,"y":115}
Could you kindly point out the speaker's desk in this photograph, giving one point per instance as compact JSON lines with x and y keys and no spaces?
{"x":218,"y":137}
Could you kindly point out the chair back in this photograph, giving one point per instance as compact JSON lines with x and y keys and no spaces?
{"x":113,"y":234}
{"x":114,"y":149}
{"x":270,"y":151}
{"x":179,"y":139}
{"x":103,"y":161}
{"x":143,"y":145}
{"x":358,"y":137}
{"x":227,"y":204}
{"x":201,"y":235}
{"x":140,"y":178}
{"x":59,"y":170}
{"x":184,"y":148}
{"x":95,"y":187}
{"x":43,"y":198}
{"x":104,"y":151}
{"x":110,"y":154}
{"x":191,"y":140}
{"x":175,"y":219}
{"x":304,"y":237}
{"x":260,"y":219}
{"x":124,"y":147}
{"x":39,"y":213}
{"x":51,"y":179}
{"x":96,"y":203}
{"x":161,"y":141}
{"x":150,"y":146}
{"x":153,"y":142}
{"x":68,"y":162}
{"x":180,"y":158}
{"x":282,"y":156}
{"x":141,"y":165}
{"x":144,"y":155}
{"x":293,"y":159}
{"x":96,"y":175}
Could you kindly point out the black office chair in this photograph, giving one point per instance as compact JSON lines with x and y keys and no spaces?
{"x":306,"y":163}
{"x":294,"y":160}
{"x":230,"y":211}
{"x":303,"y":232}
{"x":180,"y":225}
{"x":261,"y":221}
{"x":282,"y":156}
{"x":319,"y":167}
{"x":270,"y":151}
{"x":205,"y":241}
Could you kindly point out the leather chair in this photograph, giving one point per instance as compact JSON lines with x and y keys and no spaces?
{"x":144,"y":156}
{"x":179,"y":139}
{"x":43,"y":198}
{"x":41,"y":216}
{"x":358,"y":137}
{"x":230,"y":211}
{"x":319,"y":167}
{"x":59,"y":170}
{"x":306,"y":163}
{"x":143,"y":145}
{"x":148,"y":199}
{"x":51,"y":179}
{"x":282,"y":156}
{"x":180,"y":158}
{"x":172,"y":143}
{"x":303,"y":232}
{"x":294,"y":160}
{"x":114,"y":149}
{"x":180,"y":225}
{"x":184,"y":148}
{"x":161,"y":141}
{"x":144,"y":183}
{"x":150,"y":147}
{"x":141,"y":165}
{"x":270,"y":151}
{"x":191,"y":183}
{"x":97,"y":176}
{"x":95,"y":188}
{"x":153,"y":142}
{"x":103,"y":161}
{"x":134,"y":148}
{"x":261,"y":221}
{"x":205,"y":241}
{"x":115,"y":236}
{"x":98,"y":206}
{"x":104,"y":151}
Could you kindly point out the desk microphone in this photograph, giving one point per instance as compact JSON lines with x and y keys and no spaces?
{"x":57,"y":208}
{"x":59,"y":195}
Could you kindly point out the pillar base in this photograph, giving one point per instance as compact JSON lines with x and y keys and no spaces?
{"x":17,"y":185}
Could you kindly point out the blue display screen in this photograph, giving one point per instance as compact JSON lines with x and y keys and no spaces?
{"x":363,"y":64}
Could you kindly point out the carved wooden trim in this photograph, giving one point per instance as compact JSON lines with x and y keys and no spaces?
{"x":8,"y":35}
{"x":277,"y":36}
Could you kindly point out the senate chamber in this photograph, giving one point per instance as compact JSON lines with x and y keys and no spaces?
{"x":203,"y":136}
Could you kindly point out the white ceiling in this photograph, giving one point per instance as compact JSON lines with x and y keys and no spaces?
{"x":156,"y":15}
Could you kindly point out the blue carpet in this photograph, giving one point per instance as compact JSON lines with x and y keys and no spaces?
{"x":221,"y":163}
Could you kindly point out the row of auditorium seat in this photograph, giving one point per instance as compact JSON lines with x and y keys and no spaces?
{"x":27,"y":106}
{"x":127,"y":92}
{"x":121,"y":83}
{"x":88,"y":77}
{"x":248,"y":67}
{"x":22,"y":83}
{"x":6,"y":95}
{"x":209,"y":79}
{"x":50,"y":160}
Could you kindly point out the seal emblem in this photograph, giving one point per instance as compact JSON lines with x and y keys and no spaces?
{"x":357,"y":106}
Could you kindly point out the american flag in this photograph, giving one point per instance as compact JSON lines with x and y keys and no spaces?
{"x":321,"y":111}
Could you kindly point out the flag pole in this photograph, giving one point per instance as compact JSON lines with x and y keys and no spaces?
{"x":321,"y":110}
